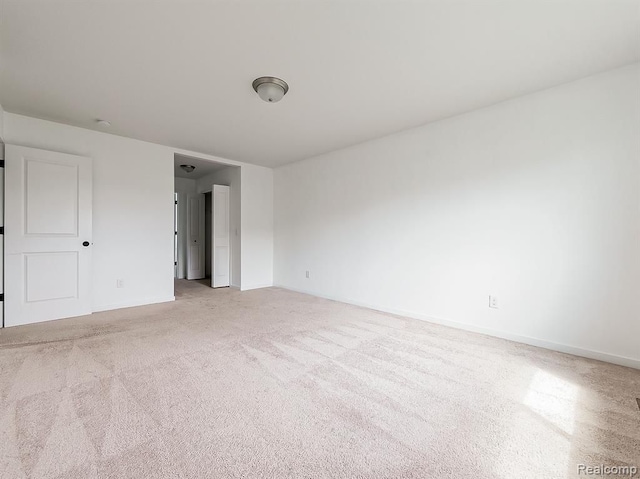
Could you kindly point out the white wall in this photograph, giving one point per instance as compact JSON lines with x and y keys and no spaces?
{"x":535,"y":200}
{"x":257,"y":227}
{"x":230,"y":176}
{"x":184,"y":185}
{"x":133,"y":210}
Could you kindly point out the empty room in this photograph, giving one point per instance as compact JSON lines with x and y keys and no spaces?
{"x":319,"y":239}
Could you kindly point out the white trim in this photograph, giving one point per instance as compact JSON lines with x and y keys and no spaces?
{"x":541,"y":343}
{"x":258,"y":286}
{"x":131,"y":304}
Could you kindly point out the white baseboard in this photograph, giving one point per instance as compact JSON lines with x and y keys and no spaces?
{"x":131,"y":304}
{"x":541,"y":343}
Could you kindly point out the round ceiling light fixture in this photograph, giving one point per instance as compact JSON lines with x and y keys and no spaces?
{"x":188,"y":168}
{"x":270,"y":89}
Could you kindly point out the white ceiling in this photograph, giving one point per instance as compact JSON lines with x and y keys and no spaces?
{"x":203,"y":167}
{"x":179,"y":73}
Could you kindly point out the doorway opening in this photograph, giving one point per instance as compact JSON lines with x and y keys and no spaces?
{"x":207,"y":221}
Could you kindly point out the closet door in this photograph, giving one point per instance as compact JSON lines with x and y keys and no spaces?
{"x":220,"y":249}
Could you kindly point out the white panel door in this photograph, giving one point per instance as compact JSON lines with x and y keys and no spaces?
{"x":221,"y":252}
{"x":48,"y":200}
{"x":1,"y":235}
{"x":195,"y":237}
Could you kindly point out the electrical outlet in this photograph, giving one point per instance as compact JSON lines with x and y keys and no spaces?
{"x":119,"y":283}
{"x":493,"y":301}
{"x":308,"y":275}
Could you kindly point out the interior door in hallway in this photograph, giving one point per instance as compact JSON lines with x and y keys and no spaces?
{"x":48,"y":235}
{"x":221,"y":250}
{"x":195,"y":237}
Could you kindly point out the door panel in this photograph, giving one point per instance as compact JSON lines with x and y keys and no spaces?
{"x":194,"y":216}
{"x":222,"y":262}
{"x":195,"y":227}
{"x":48,"y":217}
{"x":51,"y":276}
{"x":55,"y":213}
{"x":220,"y":276}
{"x":194,"y":257}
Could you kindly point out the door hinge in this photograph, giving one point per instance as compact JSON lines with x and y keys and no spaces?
{"x":1,"y":163}
{"x":2,"y":297}
{"x":175,"y":263}
{"x":1,"y":230}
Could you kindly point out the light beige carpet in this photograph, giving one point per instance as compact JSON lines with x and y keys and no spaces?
{"x":276,"y":384}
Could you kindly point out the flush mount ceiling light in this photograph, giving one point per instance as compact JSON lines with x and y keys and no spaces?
{"x":188,"y":168}
{"x":103,"y":123}
{"x":270,"y":89}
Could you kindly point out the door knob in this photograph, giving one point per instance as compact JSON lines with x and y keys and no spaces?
{"x":85,"y":243}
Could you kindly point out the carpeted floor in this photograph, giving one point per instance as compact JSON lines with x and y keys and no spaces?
{"x":275,"y":384}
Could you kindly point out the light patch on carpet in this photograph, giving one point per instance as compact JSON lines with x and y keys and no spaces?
{"x":554,"y":399}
